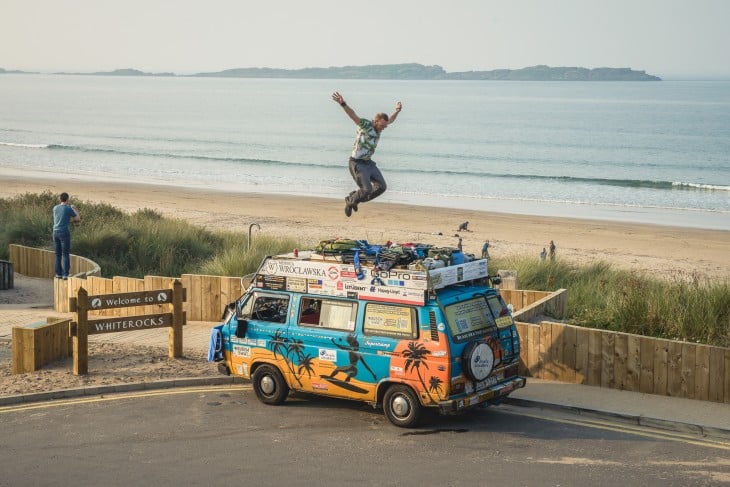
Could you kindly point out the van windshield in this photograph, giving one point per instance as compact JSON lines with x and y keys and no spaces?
{"x":469,"y":319}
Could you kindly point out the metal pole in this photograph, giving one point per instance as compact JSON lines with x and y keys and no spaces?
{"x":250,"y":227}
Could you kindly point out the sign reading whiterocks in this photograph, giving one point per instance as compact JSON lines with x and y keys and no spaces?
{"x":129,"y":323}
{"x":82,"y":326}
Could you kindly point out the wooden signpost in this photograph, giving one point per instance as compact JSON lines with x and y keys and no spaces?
{"x":82,"y":326}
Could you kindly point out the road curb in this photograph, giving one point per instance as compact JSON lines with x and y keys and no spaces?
{"x":117,"y":388}
{"x":637,"y":419}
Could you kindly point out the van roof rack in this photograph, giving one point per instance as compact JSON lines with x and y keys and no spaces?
{"x":341,"y":276}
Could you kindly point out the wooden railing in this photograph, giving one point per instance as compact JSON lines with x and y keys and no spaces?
{"x":34,"y":262}
{"x":555,"y":351}
{"x":206,"y":296}
{"x":527,"y":305}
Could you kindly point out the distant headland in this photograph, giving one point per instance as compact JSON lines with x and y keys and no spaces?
{"x":409,"y":71}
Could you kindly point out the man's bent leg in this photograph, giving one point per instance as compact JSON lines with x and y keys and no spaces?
{"x":363,"y":172}
{"x":378,"y":183}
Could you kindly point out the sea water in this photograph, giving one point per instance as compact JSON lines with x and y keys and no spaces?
{"x":653,"y":152}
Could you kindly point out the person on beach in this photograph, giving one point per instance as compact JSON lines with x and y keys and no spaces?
{"x":63,"y":214}
{"x":552,"y":250}
{"x":363,"y":169}
{"x":485,"y":250}
{"x":543,"y":254}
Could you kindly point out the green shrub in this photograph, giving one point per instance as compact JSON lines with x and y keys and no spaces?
{"x":236,"y":259}
{"x":26,"y":220}
{"x":600,"y":296}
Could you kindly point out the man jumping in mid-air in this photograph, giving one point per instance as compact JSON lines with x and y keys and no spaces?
{"x":364,"y":171}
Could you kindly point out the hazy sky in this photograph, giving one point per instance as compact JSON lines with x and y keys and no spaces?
{"x":668,"y":38}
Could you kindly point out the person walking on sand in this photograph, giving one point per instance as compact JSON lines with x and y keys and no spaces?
{"x":363,"y":169}
{"x":63,"y":214}
{"x":552,"y":250}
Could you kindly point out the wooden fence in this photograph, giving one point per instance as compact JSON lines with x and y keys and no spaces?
{"x":555,"y":351}
{"x":206,"y":296}
{"x":527,"y":305}
{"x":34,"y":262}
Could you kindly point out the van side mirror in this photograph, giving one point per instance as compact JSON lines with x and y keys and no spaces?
{"x":228,"y":311}
{"x":241,"y":329}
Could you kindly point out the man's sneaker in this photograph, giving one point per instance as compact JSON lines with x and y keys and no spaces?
{"x":58,"y":277}
{"x":351,"y":197}
{"x":348,"y":208}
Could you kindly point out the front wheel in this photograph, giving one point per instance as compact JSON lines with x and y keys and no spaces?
{"x":402,"y":407}
{"x":269,"y":385}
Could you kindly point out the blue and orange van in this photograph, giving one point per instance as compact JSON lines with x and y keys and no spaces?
{"x":401,"y":339}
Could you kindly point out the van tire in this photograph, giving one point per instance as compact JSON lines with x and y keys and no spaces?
{"x":402,"y":407}
{"x":269,"y":385}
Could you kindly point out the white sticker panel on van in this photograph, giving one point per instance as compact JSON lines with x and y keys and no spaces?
{"x":327,"y":354}
{"x":241,"y":351}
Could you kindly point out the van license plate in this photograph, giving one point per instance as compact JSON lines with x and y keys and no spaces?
{"x":489,"y":381}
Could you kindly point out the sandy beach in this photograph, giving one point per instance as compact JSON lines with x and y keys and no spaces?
{"x":659,"y":250}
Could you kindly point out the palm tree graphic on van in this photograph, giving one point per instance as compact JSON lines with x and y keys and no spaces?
{"x":434,"y":385}
{"x":416,"y":357}
{"x":292,"y":352}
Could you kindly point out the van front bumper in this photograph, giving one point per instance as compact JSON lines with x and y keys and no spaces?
{"x":493,"y":393}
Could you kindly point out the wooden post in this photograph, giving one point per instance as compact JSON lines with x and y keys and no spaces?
{"x":81,"y":339}
{"x":175,"y":334}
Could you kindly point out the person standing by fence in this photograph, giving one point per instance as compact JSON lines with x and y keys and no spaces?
{"x":63,"y":214}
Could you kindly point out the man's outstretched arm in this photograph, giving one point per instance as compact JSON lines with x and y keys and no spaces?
{"x":349,"y":111}
{"x":394,"y":115}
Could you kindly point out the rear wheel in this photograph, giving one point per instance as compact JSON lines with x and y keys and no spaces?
{"x":401,"y":406}
{"x":269,"y":385}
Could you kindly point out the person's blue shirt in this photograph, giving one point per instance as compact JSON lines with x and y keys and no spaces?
{"x":62,"y":215}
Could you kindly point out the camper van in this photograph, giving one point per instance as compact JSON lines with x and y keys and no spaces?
{"x":400,"y":337}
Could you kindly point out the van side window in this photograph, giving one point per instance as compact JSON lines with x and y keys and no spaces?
{"x":267,"y":307}
{"x":390,"y":321}
{"x":328,"y":313}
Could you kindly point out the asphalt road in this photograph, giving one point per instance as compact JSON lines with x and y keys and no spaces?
{"x":224,"y":435}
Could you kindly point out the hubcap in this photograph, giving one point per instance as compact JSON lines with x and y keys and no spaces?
{"x":268,"y":386}
{"x":400,"y":406}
